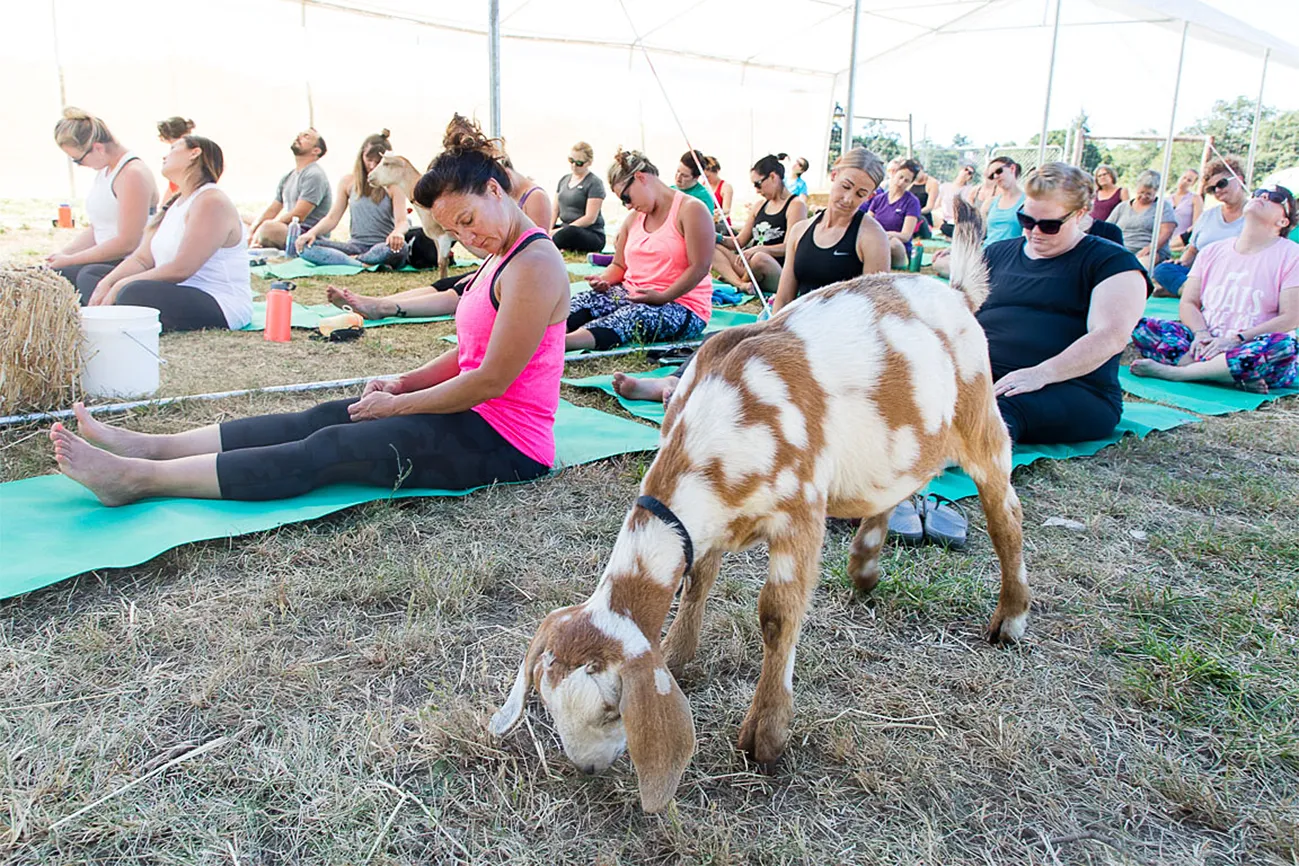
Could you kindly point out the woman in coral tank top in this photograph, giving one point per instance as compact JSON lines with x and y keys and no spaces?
{"x":658,"y":286}
{"x":480,"y":413}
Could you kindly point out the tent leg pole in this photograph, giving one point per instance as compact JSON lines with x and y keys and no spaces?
{"x":1258,"y":111}
{"x":1050,"y":81}
{"x":494,"y":64}
{"x":1168,"y":153}
{"x":851,"y":108}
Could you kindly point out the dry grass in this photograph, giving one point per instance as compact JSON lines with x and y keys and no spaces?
{"x":1150,"y":717}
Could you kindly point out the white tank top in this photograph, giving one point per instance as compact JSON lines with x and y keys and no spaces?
{"x":224,"y":276}
{"x":101,"y":202}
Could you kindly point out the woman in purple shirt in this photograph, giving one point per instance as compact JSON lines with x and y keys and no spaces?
{"x":898,"y":211}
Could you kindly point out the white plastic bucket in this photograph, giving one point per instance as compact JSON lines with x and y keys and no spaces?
{"x":120,"y":355}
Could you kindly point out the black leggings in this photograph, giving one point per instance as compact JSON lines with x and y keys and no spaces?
{"x":579,"y":239}
{"x":1063,"y":412}
{"x":278,"y":456}
{"x":180,"y":308}
{"x":72,"y":272}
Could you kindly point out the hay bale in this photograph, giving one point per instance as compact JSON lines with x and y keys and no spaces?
{"x":40,"y":340}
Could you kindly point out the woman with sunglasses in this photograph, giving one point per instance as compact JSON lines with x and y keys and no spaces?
{"x":577,"y":205}
{"x":1000,"y":208}
{"x":1059,"y":311}
{"x":1222,"y":179}
{"x":1108,"y":193}
{"x":121,"y":199}
{"x":657,"y":287}
{"x":1239,"y":307}
{"x":762,"y":240}
{"x":1136,"y":218}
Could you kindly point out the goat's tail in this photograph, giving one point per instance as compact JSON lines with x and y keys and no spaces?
{"x":969,"y":270}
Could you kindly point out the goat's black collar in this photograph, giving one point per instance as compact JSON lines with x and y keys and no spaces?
{"x":662,"y":512}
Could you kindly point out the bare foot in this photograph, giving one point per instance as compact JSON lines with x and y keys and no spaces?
{"x":633,"y":388}
{"x":1149,"y":369}
{"x":124,"y":443}
{"x":364,"y":305}
{"x":103,"y":474}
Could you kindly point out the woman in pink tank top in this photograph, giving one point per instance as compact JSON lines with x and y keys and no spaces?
{"x":481,"y":413}
{"x":658,"y":287}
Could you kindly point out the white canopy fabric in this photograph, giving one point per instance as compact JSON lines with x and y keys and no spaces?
{"x":746,"y":78}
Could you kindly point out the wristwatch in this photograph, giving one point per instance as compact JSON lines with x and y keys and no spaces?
{"x":1240,"y":335}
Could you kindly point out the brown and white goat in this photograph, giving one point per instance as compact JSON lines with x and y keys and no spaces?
{"x":394,"y":170}
{"x":843,"y":404}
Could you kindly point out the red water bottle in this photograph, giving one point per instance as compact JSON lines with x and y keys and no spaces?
{"x":279,"y":311}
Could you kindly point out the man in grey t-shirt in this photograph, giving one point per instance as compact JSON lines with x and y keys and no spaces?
{"x":303,"y":193}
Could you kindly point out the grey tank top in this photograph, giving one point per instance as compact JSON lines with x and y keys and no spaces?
{"x":371,"y":221}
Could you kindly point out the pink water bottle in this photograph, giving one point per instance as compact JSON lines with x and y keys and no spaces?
{"x":279,"y":311}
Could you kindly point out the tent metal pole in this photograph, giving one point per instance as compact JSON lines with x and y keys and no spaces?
{"x":851,"y":107}
{"x":494,"y":65}
{"x":1168,"y":153}
{"x":63,"y":93}
{"x":910,"y":138}
{"x":1050,"y":81}
{"x":1258,"y":111}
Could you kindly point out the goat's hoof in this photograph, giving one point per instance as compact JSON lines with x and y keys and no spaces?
{"x":865,"y":577}
{"x":763,"y":741}
{"x":1006,"y":630}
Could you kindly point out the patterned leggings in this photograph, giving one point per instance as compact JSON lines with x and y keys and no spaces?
{"x":1268,"y":359}
{"x":615,"y":321}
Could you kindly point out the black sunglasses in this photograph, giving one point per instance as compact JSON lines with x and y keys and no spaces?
{"x":1047,"y":227}
{"x":577,"y":162}
{"x":996,"y":174}
{"x":1222,"y":184}
{"x":625,"y":195}
{"x":1273,"y":195}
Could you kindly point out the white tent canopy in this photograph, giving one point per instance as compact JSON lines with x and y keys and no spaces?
{"x":746,"y":78}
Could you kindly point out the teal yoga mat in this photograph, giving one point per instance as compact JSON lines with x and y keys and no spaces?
{"x":1161,"y":308}
{"x":1139,"y":419}
{"x":309,"y":316}
{"x":54,"y":528}
{"x":297,"y":269}
{"x":1206,"y":398}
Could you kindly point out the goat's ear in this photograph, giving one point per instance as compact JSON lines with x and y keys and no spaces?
{"x":504,"y":719}
{"x":660,"y":729}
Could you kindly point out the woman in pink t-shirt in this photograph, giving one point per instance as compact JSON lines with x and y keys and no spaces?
{"x":658,"y":286}
{"x":480,"y":413}
{"x":1239,"y":307}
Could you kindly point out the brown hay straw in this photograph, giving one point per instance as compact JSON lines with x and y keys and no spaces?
{"x":40,"y":339}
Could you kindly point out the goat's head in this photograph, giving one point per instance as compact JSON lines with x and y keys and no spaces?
{"x":607,"y":690}
{"x":393,"y":169}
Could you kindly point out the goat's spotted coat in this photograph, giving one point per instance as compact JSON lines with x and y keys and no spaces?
{"x":844,"y":404}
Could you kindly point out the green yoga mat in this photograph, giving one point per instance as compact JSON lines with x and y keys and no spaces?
{"x":1161,"y":308}
{"x":54,"y":528}
{"x":309,"y":316}
{"x":1139,"y":419}
{"x":299,"y":268}
{"x":1206,"y":398}
{"x":720,"y":321}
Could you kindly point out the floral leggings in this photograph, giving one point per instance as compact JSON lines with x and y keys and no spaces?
{"x":1266,"y":360}
{"x":615,"y":321}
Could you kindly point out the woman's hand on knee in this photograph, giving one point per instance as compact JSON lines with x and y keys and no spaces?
{"x":373,"y":406}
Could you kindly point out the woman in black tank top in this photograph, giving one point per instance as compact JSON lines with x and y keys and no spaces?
{"x":763,"y":237}
{"x":841,"y":242}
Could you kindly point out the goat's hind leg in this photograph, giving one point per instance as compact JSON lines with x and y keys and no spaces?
{"x":986,"y":458}
{"x":682,"y":641}
{"x":864,"y":554}
{"x":795,"y":561}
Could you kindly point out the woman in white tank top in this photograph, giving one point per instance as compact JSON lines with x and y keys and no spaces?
{"x":122,"y":195}
{"x":193,"y":262}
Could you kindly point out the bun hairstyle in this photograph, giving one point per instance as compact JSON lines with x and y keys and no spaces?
{"x":80,"y":129}
{"x":174,"y":127}
{"x":863,"y":160}
{"x":469,"y":159}
{"x":374,"y":147}
{"x":207,"y":168}
{"x":711,"y":164}
{"x":770,"y":164}
{"x":627,"y":163}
